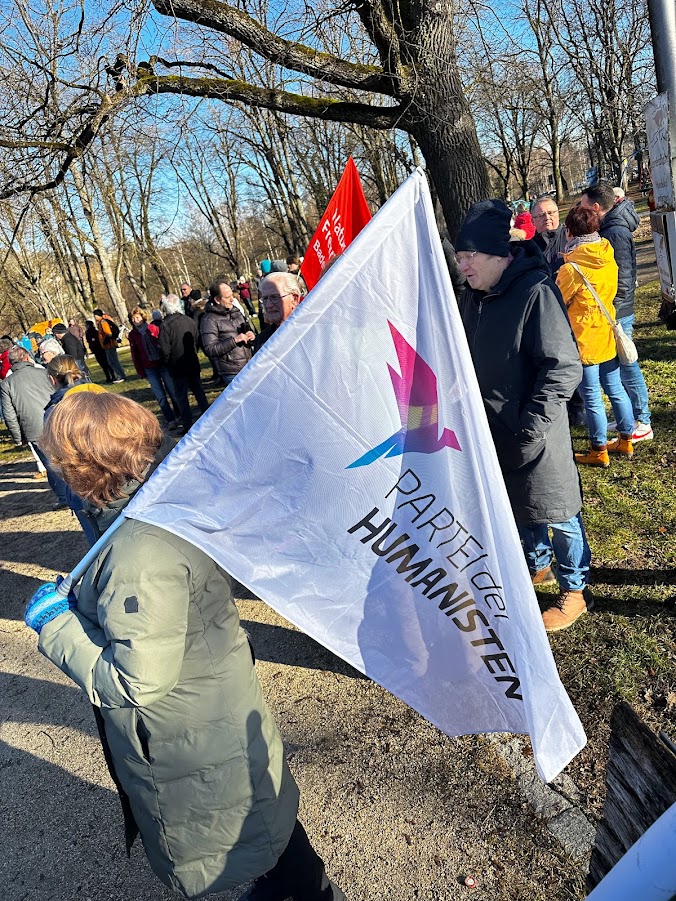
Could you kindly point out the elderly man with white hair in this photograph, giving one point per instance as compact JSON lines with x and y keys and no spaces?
{"x":178,"y":349}
{"x":48,"y":349}
{"x":279,"y":293}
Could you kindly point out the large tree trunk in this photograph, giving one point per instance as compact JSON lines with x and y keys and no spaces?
{"x":440,"y":119}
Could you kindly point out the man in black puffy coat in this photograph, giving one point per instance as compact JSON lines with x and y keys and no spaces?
{"x":528,"y":367}
{"x":619,"y":221}
{"x":227,"y":339}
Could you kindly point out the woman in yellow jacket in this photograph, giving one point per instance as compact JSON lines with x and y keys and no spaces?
{"x":595,"y":340}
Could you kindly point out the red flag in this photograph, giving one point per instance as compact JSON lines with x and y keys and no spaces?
{"x":345,"y":216}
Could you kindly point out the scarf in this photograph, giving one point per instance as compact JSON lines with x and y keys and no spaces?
{"x":594,"y":238}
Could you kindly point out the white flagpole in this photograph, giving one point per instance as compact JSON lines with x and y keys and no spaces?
{"x":76,"y":574}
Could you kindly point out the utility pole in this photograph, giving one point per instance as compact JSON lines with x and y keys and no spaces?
{"x":660,"y":115}
{"x":662,"y":14}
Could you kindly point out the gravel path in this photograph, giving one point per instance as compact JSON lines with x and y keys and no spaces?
{"x":398,"y":810}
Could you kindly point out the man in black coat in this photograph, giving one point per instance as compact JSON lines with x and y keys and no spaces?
{"x":73,"y":347}
{"x":528,"y":366}
{"x":178,"y":350}
{"x":550,"y":233}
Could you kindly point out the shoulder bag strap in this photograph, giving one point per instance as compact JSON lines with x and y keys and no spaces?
{"x":593,"y":293}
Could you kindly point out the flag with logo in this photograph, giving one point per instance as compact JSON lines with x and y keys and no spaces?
{"x":353,"y":453}
{"x":343,"y":219}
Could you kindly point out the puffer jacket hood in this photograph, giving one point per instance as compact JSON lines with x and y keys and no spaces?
{"x":626,"y":212}
{"x":527,"y":259}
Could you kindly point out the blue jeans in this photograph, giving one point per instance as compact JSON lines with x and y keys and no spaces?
{"x":114,"y":363}
{"x":608,"y":375}
{"x":633,"y":381}
{"x":567,"y":552}
{"x":163,"y":388}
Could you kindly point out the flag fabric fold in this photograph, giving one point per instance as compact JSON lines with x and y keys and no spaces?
{"x":348,"y":477}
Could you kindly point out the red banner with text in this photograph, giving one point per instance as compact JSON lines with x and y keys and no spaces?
{"x":343,"y":219}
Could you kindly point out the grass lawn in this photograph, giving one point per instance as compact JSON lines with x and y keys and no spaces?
{"x":625,"y":649}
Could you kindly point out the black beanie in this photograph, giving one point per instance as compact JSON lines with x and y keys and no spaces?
{"x":486,"y":228}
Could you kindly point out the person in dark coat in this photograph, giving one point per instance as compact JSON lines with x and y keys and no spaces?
{"x":619,"y":221}
{"x":154,"y":640}
{"x":145,"y":355}
{"x":226,"y":337}
{"x":550,"y":233}
{"x":178,"y":350}
{"x":73,"y":347}
{"x":551,"y":238}
{"x":92,"y":339}
{"x":527,"y":364}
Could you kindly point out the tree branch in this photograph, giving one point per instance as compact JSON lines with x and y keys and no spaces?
{"x":382,"y":117}
{"x":229,"y":20}
{"x":81,"y":141}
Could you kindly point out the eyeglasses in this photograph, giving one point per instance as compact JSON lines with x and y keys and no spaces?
{"x":464,"y":256}
{"x":549,"y":214}
{"x":275,"y":298}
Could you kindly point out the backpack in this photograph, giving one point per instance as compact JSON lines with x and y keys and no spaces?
{"x":114,"y":328}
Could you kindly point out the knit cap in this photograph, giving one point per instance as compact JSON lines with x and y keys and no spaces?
{"x":485,"y":229}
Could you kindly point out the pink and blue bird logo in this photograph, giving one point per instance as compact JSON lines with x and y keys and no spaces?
{"x":418,"y":401}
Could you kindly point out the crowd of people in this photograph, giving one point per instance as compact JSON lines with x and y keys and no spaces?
{"x":153,"y":636}
{"x":540,"y":315}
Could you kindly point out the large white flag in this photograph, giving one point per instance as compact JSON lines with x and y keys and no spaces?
{"x":348,"y":477}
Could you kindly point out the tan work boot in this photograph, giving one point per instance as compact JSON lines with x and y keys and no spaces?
{"x":621,"y":446}
{"x":569,"y":607}
{"x":543,"y":576}
{"x":596,"y":456}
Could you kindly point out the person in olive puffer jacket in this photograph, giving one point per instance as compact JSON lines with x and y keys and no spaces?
{"x":153,"y":638}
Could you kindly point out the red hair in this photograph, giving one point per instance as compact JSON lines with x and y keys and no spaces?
{"x":99,"y":442}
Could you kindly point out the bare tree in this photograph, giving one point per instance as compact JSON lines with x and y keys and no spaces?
{"x":606,"y":43}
